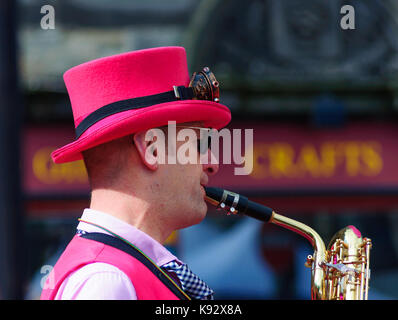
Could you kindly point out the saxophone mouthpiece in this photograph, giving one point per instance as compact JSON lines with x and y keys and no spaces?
{"x":235,"y":203}
{"x":213,"y":195}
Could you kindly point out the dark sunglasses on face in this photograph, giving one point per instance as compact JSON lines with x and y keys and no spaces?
{"x":204,"y":143}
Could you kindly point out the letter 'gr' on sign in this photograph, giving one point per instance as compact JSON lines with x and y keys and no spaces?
{"x":348,"y":20}
{"x":48,"y":20}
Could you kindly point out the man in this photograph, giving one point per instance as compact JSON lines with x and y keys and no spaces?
{"x":137,"y":201}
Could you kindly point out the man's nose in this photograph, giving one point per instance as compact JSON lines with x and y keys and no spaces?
{"x":211,"y":165}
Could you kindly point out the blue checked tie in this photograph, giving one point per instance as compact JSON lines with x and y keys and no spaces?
{"x":191,"y":284}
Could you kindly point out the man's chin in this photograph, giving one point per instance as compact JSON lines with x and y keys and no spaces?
{"x":203,"y":212}
{"x":196,"y":217}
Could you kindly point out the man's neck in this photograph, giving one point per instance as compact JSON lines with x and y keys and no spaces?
{"x":132,"y":210}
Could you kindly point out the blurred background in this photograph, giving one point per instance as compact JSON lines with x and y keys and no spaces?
{"x":321,"y":98}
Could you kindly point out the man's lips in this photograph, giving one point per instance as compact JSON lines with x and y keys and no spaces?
{"x":203,"y":183}
{"x":202,"y":186}
{"x":203,"y":189}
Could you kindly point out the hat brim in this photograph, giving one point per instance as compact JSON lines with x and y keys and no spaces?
{"x":211,"y":114}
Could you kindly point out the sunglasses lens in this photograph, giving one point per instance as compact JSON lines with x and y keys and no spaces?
{"x":204,"y":145}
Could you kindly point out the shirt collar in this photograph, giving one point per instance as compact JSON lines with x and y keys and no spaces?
{"x":152,"y":248}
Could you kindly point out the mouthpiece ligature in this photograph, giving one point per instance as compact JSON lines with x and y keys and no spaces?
{"x":232,"y":208}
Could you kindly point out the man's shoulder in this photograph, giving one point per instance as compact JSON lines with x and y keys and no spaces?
{"x":97,"y":280}
{"x":93,"y":268}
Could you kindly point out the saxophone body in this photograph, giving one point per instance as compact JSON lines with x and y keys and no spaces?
{"x":339,"y":272}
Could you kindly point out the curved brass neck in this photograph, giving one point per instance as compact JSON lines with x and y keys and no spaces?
{"x":318,"y":283}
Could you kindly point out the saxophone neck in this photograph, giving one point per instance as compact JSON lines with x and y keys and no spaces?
{"x":307,"y":232}
{"x":316,"y":262}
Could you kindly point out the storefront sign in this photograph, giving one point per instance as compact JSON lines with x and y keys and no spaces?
{"x":41,"y":175}
{"x":294,"y":157}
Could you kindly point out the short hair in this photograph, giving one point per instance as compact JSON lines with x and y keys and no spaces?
{"x":106,"y":162}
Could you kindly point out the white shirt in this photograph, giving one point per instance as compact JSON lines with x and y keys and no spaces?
{"x":102,"y":281}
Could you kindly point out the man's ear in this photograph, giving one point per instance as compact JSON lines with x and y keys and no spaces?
{"x":150,"y":145}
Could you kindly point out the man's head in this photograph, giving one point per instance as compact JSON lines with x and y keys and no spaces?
{"x":115,"y":100}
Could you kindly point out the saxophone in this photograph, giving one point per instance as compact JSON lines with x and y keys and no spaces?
{"x":340,"y":272}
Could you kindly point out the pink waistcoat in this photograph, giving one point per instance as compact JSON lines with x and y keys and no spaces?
{"x":80,"y":252}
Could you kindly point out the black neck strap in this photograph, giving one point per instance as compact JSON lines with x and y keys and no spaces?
{"x":134,"y":252}
{"x":179,"y":93}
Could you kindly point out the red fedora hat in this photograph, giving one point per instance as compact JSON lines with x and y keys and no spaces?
{"x":119,"y":95}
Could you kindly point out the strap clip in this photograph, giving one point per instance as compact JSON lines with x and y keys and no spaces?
{"x":183,"y":93}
